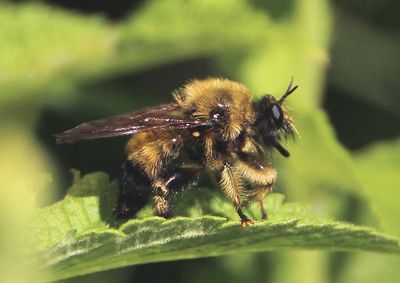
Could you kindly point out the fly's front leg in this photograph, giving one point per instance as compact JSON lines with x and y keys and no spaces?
{"x":232,"y":184}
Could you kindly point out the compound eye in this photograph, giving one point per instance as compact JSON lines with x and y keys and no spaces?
{"x":277,"y":115}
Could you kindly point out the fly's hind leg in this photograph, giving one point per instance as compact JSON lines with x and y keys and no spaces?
{"x":174,"y":180}
{"x":264,"y":214}
{"x":258,"y":194}
{"x":160,"y":199}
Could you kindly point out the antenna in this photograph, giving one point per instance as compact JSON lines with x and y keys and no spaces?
{"x":289,"y":91}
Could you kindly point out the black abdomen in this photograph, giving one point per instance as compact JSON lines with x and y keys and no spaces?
{"x":135,"y":190}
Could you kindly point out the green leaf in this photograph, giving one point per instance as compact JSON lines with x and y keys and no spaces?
{"x":50,"y":51}
{"x":41,"y":45}
{"x":191,"y":28}
{"x":298,"y":49}
{"x":74,"y":236}
{"x":83,"y":209}
{"x":379,"y":167}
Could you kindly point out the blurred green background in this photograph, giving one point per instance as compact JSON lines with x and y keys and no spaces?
{"x":63,"y":62}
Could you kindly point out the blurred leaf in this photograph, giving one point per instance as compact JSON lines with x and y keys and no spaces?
{"x":380,"y":166}
{"x":74,"y":238}
{"x":192,"y":28}
{"x":382,"y":14}
{"x":311,"y":265}
{"x":318,"y":151}
{"x":21,"y":170}
{"x":47,"y":49}
{"x":371,"y":268}
{"x":366,"y":62}
{"x":299,"y":50}
{"x":41,"y":44}
{"x":121,"y":275}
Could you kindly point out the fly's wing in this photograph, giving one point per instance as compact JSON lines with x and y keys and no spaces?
{"x":163,"y":118}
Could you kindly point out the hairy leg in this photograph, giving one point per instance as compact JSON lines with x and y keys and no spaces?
{"x":232,"y":184}
{"x":175,"y":179}
{"x":160,"y":199}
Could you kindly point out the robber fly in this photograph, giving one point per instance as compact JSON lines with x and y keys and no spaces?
{"x":212,"y":123}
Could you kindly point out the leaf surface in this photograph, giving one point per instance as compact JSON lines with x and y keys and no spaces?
{"x":76,"y":237}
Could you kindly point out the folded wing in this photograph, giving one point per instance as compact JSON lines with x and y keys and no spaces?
{"x":163,"y":118}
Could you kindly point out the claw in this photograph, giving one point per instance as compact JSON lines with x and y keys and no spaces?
{"x":246,"y":222}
